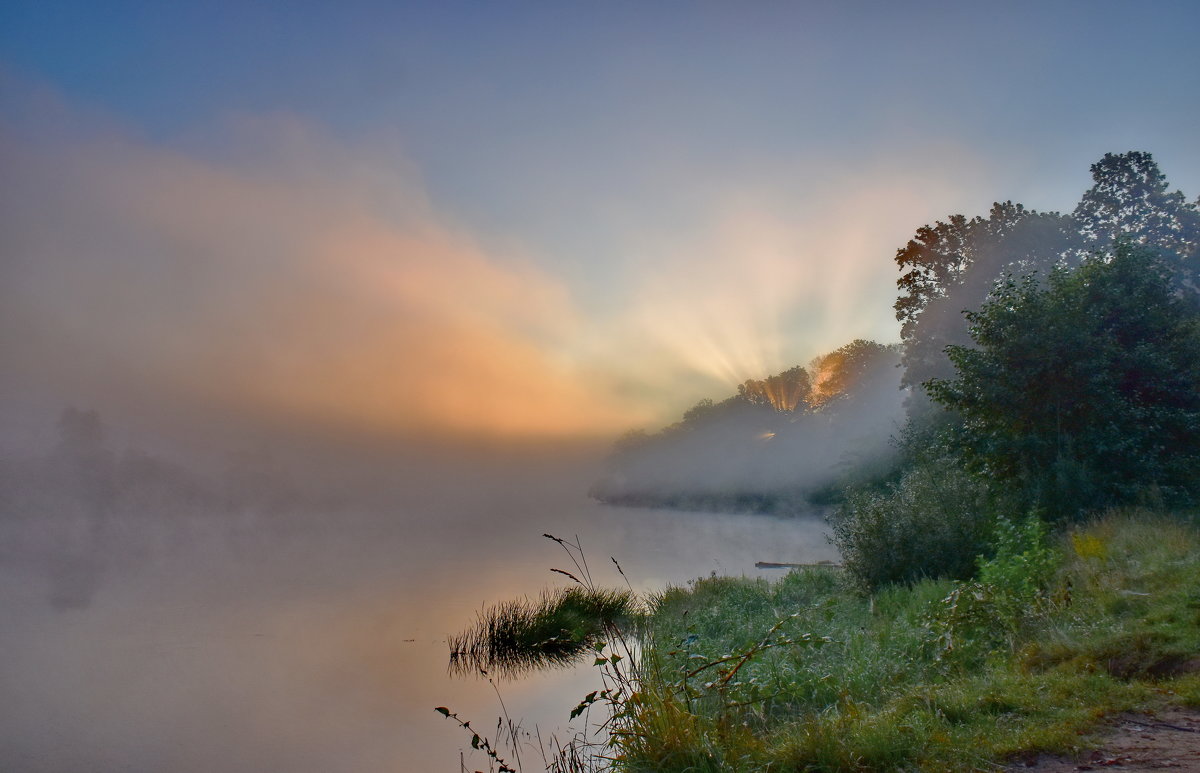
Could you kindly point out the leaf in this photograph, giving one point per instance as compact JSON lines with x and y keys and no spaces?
{"x":445,"y":712}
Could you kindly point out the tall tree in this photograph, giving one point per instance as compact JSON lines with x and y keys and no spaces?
{"x":951,"y":266}
{"x":1130,"y":199}
{"x":1083,"y":390}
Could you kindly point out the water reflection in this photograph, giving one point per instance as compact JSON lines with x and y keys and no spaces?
{"x":313,"y":642}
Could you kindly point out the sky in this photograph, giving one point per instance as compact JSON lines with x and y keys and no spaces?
{"x":519,"y":219}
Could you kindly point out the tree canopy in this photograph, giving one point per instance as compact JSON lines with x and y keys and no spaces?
{"x":951,"y":265}
{"x":1082,"y":390}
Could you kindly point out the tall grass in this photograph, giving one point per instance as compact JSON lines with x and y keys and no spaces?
{"x":936,"y":675}
{"x":557,"y":629}
{"x":808,"y":673}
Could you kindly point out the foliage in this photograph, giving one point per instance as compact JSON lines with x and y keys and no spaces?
{"x":838,"y":375}
{"x":784,"y":392}
{"x":1021,"y":569}
{"x":930,"y":524}
{"x":1130,"y":199}
{"x":1084,"y":392}
{"x":557,"y":629}
{"x":986,"y":615}
{"x":951,"y":266}
{"x":478,"y":741}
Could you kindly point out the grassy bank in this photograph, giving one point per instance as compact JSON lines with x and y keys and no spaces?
{"x":806,"y":674}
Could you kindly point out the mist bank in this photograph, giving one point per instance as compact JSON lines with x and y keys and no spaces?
{"x":83,"y":475}
{"x":777,"y":446}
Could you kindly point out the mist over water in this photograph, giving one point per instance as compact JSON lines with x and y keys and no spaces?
{"x":196,"y":636}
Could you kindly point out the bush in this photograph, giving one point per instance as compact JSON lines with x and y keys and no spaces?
{"x":932,"y":523}
{"x":980,"y":617}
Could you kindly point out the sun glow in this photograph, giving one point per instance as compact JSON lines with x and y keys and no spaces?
{"x":824,"y":383}
{"x":767,"y":284}
{"x":304,"y":299}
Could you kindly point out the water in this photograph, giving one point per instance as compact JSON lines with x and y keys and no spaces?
{"x":316,"y":643}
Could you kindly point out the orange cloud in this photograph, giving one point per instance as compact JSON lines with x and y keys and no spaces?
{"x":308,"y":284}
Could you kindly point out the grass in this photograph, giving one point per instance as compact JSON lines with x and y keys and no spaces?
{"x":558,"y":629}
{"x":808,"y":673}
{"x":805,"y":674}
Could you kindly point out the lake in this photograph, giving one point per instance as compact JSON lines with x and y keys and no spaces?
{"x":318,"y":642}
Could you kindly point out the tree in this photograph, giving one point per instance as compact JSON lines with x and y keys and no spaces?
{"x":838,"y":374}
{"x":81,"y":460}
{"x":1084,"y":390}
{"x":784,"y":392}
{"x":952,"y":265}
{"x":1130,"y":199}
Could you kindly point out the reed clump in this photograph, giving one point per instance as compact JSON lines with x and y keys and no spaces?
{"x":555,"y":630}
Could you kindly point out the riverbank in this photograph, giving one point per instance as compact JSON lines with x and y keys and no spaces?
{"x":802,"y":673}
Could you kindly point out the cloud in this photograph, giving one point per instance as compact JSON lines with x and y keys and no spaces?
{"x":282,"y":278}
{"x":264,"y":272}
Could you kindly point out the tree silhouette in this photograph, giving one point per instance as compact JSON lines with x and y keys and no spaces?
{"x":1130,"y":199}
{"x":951,"y":267}
{"x":82,"y":461}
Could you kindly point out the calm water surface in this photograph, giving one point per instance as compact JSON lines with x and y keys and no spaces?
{"x":317,"y":643}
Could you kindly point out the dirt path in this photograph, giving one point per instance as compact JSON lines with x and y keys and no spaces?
{"x":1165,"y":740}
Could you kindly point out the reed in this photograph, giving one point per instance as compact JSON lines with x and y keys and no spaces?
{"x":555,"y":630}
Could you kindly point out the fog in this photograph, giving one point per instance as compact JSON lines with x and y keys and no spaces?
{"x":272,"y":426}
{"x":288,"y":609}
{"x":766,"y":449}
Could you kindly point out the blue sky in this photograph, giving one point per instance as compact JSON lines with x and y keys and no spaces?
{"x":693,"y":193}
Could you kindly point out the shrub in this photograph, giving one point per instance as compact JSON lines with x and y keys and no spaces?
{"x":932,"y":523}
{"x":988,"y":613}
